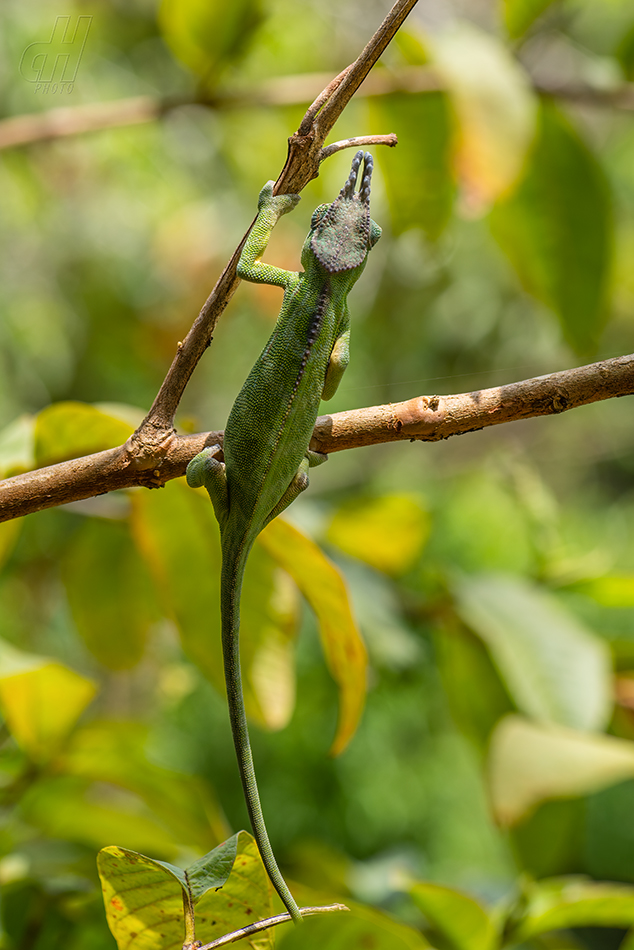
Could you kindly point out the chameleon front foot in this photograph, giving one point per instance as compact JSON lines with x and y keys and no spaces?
{"x":278,"y":204}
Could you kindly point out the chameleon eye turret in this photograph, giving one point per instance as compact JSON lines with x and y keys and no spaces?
{"x":342,"y":237}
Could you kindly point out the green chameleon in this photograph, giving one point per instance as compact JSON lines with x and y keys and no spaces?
{"x":270,"y":426}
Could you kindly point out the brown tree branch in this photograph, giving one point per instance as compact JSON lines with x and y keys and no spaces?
{"x":259,"y":925}
{"x":358,"y":141}
{"x":424,"y":419}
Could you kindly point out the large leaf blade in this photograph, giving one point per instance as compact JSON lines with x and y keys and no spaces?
{"x":494,"y":107}
{"x":205,"y":35}
{"x":41,"y":700}
{"x":324,"y":588}
{"x":109,"y":591}
{"x":556,"y":229}
{"x":419,"y":178}
{"x":387,"y":532}
{"x":67,"y":430}
{"x":531,"y":763}
{"x":144,"y":897}
{"x":177,"y":532}
{"x":555,"y":669}
{"x":143,"y":900}
{"x":116,"y":753}
{"x":459,"y":918}
{"x":360,"y":929}
{"x":519,"y":15}
{"x":562,"y":903}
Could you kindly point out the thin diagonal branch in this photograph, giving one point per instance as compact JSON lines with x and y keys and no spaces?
{"x":353,"y":78}
{"x":424,"y":419}
{"x":358,"y":141}
{"x":304,"y":147}
{"x":269,"y":922}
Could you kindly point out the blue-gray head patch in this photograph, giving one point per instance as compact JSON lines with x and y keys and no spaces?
{"x":342,"y":236}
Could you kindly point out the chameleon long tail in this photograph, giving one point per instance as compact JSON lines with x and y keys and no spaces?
{"x":231,"y":586}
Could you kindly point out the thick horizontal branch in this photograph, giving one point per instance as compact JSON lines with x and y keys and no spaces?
{"x":424,"y":418}
{"x":280,"y":91}
{"x":432,"y":418}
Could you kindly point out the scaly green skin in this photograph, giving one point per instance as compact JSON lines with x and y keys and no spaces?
{"x":270,"y":426}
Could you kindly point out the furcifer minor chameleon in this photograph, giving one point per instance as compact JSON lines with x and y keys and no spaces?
{"x":270,"y":426}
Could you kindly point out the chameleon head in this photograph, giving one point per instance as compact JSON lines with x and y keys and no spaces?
{"x":342,"y":233}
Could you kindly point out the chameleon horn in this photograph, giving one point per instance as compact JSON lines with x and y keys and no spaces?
{"x":368,"y":166}
{"x":348,"y":189}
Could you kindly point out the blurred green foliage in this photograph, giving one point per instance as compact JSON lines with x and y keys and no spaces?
{"x":489,"y":785}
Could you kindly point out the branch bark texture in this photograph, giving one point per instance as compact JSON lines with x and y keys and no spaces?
{"x":424,"y":419}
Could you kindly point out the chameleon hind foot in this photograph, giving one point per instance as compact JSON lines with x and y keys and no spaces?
{"x":206,"y":471}
{"x":298,"y":484}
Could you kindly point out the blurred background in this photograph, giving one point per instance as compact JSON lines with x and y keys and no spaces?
{"x":492,"y":576}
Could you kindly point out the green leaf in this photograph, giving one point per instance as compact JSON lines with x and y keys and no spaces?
{"x":143,"y":900}
{"x":41,"y":700}
{"x":625,"y":53}
{"x":177,"y":532}
{"x":206,"y":34}
{"x":556,"y":229}
{"x":387,"y":533}
{"x":554,"y":668}
{"x":482,"y":526}
{"x":519,"y":15}
{"x":144,"y":897}
{"x":110,"y":593}
{"x":360,"y":929}
{"x":324,"y":588}
{"x":562,"y":903}
{"x":463,"y":922}
{"x":68,"y":430}
{"x":531,"y":763}
{"x":17,"y":447}
{"x":268,"y":626}
{"x":94,"y":814}
{"x":213,"y":869}
{"x":611,"y":590}
{"x":115,"y":753}
{"x":476,"y":696}
{"x":9,"y":534}
{"x":419,"y":178}
{"x":494,"y":107}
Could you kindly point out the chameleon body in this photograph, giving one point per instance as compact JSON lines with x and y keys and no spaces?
{"x":271,"y":423}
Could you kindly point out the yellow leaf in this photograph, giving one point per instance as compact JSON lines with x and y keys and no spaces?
{"x":611,"y":591}
{"x":495,"y":109}
{"x":324,"y":588}
{"x":41,"y":700}
{"x":69,"y":430}
{"x":386,"y":532}
{"x":530,"y":763}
